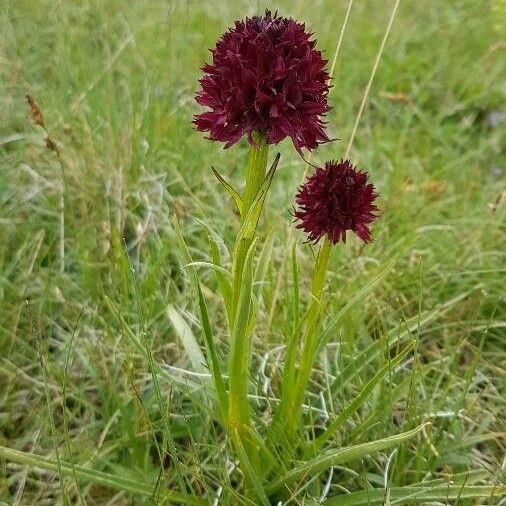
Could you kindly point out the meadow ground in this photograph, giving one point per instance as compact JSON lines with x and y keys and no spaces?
{"x":115,"y":82}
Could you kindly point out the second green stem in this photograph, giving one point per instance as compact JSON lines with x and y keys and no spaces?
{"x":295,"y":391}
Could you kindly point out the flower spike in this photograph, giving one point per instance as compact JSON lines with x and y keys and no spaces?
{"x":336,"y":199}
{"x":266,"y":76}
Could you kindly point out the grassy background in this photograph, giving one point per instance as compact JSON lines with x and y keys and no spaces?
{"x":115,"y":83}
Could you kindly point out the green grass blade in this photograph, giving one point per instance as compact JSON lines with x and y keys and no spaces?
{"x":338,"y":457}
{"x":106,"y":479}
{"x":362,"y":396}
{"x":49,"y":402}
{"x":415,"y":494}
{"x":188,"y":340}
{"x":397,"y":335}
{"x":354,"y":299}
{"x":168,"y":439}
{"x":250,"y":472}
{"x":214,"y":362}
{"x":209,"y":265}
{"x":66,"y":435}
{"x":295,"y":284}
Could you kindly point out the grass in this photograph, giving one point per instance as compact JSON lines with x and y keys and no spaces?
{"x":99,"y":371}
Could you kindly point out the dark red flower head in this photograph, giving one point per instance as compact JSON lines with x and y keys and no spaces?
{"x":266,"y":76}
{"x":334,"y":200}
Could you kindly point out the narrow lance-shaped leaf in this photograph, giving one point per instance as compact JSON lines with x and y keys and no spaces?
{"x":240,"y":339}
{"x":247,"y":232}
{"x":249,"y":471}
{"x":337,"y":457}
{"x":230,"y":189}
{"x":188,"y":340}
{"x":223,"y":282}
{"x":263,"y":261}
{"x":214,"y":361}
{"x":415,"y":494}
{"x":250,"y":223}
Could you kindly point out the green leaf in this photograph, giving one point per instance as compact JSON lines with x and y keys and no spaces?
{"x":125,"y":484}
{"x":239,"y":349}
{"x":246,"y":234}
{"x":230,"y":189}
{"x":223,"y":282}
{"x":338,"y":457}
{"x":209,"y":265}
{"x":415,"y":494}
{"x":253,"y":315}
{"x":263,"y":261}
{"x":250,"y":472}
{"x":250,"y":221}
{"x":188,"y":340}
{"x":295,"y":281}
{"x":214,"y":362}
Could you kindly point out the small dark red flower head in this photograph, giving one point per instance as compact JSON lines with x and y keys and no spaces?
{"x":266,"y":76}
{"x":334,"y":200}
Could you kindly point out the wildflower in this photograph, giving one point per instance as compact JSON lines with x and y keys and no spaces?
{"x":266,"y":76}
{"x":336,"y":199}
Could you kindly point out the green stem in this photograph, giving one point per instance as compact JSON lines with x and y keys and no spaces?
{"x":320,"y":271}
{"x":242,"y":308}
{"x":295,"y":389}
{"x":239,"y":351}
{"x":257,"y":165}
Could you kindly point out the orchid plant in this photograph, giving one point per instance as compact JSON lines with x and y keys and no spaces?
{"x":268,"y":81}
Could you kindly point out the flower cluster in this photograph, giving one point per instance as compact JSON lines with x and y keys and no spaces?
{"x":336,"y":199}
{"x":266,"y":76}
